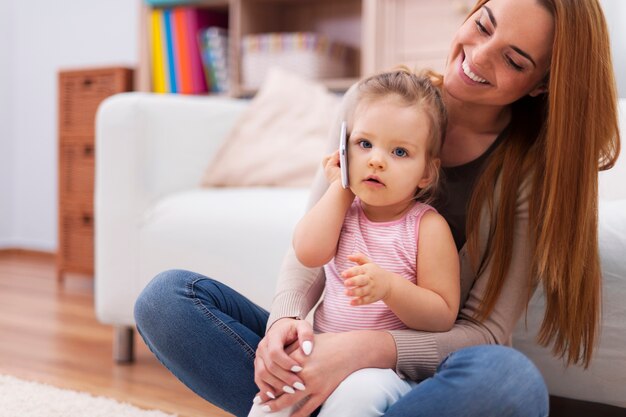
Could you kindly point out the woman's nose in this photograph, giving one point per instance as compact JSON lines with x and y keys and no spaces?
{"x":481,"y":55}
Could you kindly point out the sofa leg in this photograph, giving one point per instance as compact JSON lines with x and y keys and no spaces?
{"x":123,"y":344}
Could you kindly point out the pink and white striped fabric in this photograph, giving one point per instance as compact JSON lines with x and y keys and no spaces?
{"x":390,"y":245}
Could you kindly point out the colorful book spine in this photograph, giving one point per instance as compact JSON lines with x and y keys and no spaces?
{"x":197,"y":78}
{"x":159,"y":75}
{"x":183,"y":58}
{"x":169,"y":39}
{"x":177,"y":62}
{"x":214,"y":48}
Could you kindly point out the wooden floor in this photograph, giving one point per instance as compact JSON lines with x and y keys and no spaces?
{"x":49,"y":333}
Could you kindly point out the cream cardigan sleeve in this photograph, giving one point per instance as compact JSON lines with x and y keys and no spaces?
{"x":419,"y":353}
{"x":300,"y":288}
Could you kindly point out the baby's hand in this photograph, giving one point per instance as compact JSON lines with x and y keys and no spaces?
{"x":366,"y":282}
{"x":331,"y":167}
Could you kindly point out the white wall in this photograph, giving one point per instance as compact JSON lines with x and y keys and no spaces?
{"x":615,"y":12}
{"x":6,"y":143}
{"x":39,"y":37}
{"x":46,"y":37}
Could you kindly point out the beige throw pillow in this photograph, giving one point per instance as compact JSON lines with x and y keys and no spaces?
{"x":279,"y":139}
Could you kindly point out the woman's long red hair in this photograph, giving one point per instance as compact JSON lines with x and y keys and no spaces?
{"x":559,"y":140}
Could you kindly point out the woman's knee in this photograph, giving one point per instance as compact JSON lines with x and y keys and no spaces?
{"x":503,"y":374}
{"x":159,"y":295}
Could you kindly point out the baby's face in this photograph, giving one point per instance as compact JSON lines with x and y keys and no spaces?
{"x":387,"y":154}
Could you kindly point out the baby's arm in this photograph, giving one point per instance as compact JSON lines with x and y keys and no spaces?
{"x":316,"y":235}
{"x":432,"y":304}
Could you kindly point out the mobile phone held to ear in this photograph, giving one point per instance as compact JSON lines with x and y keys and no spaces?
{"x":343,"y":154}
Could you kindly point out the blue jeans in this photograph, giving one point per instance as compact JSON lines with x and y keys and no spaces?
{"x":206,"y":334}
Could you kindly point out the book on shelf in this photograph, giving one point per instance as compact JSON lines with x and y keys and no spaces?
{"x":214,"y":49}
{"x":175,"y":48}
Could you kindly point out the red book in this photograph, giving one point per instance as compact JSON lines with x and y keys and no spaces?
{"x":183,"y":59}
{"x":198,"y":19}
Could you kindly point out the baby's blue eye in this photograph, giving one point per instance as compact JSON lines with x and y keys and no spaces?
{"x":400,"y":152}
{"x":365,"y":144}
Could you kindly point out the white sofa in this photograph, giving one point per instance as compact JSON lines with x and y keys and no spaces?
{"x":151,"y":215}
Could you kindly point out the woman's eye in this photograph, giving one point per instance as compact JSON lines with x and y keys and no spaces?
{"x":365,"y":144}
{"x":400,"y":152}
{"x":514,"y":65}
{"x":481,"y":28}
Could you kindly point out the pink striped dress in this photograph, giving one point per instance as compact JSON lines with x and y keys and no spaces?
{"x":390,"y":245}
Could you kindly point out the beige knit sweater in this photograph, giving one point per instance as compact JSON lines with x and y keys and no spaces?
{"x":418,"y":352}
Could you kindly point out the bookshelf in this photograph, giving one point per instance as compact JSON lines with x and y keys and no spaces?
{"x":382,"y":33}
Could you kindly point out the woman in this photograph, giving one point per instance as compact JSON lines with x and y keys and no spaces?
{"x":531,"y":100}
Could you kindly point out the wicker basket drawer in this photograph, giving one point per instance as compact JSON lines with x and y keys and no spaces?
{"x":76,"y":160}
{"x":77,"y":237}
{"x":80,"y":95}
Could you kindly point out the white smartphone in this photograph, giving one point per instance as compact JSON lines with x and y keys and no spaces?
{"x":343,"y":154}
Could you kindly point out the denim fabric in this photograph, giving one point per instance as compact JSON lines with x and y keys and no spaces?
{"x":480,"y":381}
{"x":206,"y":334}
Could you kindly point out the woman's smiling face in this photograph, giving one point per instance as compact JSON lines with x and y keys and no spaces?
{"x":501,"y":53}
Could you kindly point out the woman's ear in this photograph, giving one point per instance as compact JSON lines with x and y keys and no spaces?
{"x":540,"y":89}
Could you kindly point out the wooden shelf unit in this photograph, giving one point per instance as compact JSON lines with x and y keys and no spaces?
{"x":384,"y":33}
{"x":80,"y":94}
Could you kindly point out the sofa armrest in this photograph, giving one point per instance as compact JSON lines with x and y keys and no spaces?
{"x":147,"y":146}
{"x":158,"y":144}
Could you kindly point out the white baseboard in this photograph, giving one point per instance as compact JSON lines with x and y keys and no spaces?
{"x":28,"y":244}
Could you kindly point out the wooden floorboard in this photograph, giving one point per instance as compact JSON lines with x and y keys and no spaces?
{"x":49,"y":333}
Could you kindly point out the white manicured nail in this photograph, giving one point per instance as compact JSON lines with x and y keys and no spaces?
{"x":288,"y":389}
{"x":307,"y":347}
{"x":257,"y":400}
{"x":271,"y":395}
{"x":266,"y":408}
{"x":296,"y":368}
{"x":299,"y":386}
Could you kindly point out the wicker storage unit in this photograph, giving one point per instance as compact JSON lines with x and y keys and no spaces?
{"x":80,"y":94}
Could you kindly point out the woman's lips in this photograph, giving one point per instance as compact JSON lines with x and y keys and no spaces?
{"x":469,"y":76}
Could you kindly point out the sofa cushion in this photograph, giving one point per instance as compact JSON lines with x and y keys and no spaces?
{"x":221,"y":233}
{"x":280,"y":138}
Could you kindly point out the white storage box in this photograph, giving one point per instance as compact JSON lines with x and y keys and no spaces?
{"x":307,"y":54}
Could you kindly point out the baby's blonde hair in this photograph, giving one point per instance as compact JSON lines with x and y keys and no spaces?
{"x":419,"y":90}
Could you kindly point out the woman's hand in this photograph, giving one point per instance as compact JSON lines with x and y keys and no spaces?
{"x":275,"y":372}
{"x":334,"y":357}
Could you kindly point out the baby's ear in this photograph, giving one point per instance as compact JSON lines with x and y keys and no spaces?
{"x":431,"y":174}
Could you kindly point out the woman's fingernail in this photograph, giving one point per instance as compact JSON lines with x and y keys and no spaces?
{"x":299,"y":386}
{"x":271,"y":395}
{"x":257,"y":400}
{"x":288,"y":389}
{"x":266,"y":408}
{"x":307,"y":347}
{"x":296,"y":368}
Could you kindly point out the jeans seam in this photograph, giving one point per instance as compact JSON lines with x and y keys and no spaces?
{"x":217,"y":321}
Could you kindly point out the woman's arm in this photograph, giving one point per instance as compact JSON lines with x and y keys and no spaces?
{"x":419,"y":353}
{"x":298,"y":290}
{"x":416,"y":354}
